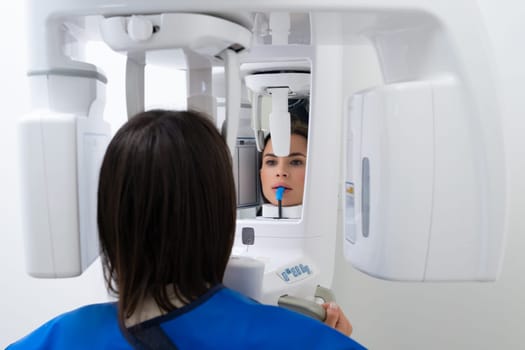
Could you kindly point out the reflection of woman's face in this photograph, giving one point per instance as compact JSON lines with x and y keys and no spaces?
{"x":287,"y":172}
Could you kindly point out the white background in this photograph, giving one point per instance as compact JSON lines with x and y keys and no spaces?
{"x":385,"y":315}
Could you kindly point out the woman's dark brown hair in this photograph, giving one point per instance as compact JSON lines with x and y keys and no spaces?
{"x":166,"y":209}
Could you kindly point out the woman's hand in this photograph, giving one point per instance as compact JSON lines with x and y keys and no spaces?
{"x":335,"y":318}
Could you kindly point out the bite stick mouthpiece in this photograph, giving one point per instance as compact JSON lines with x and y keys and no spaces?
{"x":279,"y":193}
{"x":279,"y":196}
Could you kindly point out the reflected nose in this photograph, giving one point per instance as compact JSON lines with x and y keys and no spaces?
{"x":282,"y":171}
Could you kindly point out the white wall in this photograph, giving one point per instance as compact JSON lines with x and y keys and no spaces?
{"x":393,"y":315}
{"x":385,"y":315}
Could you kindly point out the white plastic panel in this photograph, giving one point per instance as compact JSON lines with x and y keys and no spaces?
{"x":93,"y":137}
{"x":393,"y":167}
{"x":135,"y":83}
{"x":461,"y":240}
{"x":429,"y":214}
{"x":204,"y":34}
{"x":64,"y":91}
{"x":245,"y":275}
{"x":49,"y":194}
{"x":60,"y":242}
{"x":280,"y":122}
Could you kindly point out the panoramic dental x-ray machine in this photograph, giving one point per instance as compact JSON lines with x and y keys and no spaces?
{"x":410,"y":173}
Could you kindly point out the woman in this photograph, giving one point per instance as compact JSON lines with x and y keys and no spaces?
{"x":287,"y":172}
{"x":166,"y":216}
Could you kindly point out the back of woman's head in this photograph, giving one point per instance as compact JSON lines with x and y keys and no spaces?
{"x":166,"y":209}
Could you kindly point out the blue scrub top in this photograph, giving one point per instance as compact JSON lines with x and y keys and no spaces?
{"x":220,"y":319}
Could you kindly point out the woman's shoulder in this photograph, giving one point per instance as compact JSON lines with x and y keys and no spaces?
{"x":87,"y":316}
{"x":84,"y":327}
{"x":281,"y":327}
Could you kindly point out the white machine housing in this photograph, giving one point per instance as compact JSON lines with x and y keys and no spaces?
{"x":411,"y":148}
{"x":432,"y":133}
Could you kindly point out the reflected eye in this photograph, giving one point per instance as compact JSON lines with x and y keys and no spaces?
{"x":270,"y":162}
{"x":296,"y":162}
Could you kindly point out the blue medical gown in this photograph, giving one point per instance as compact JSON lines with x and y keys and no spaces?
{"x":220,"y":319}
